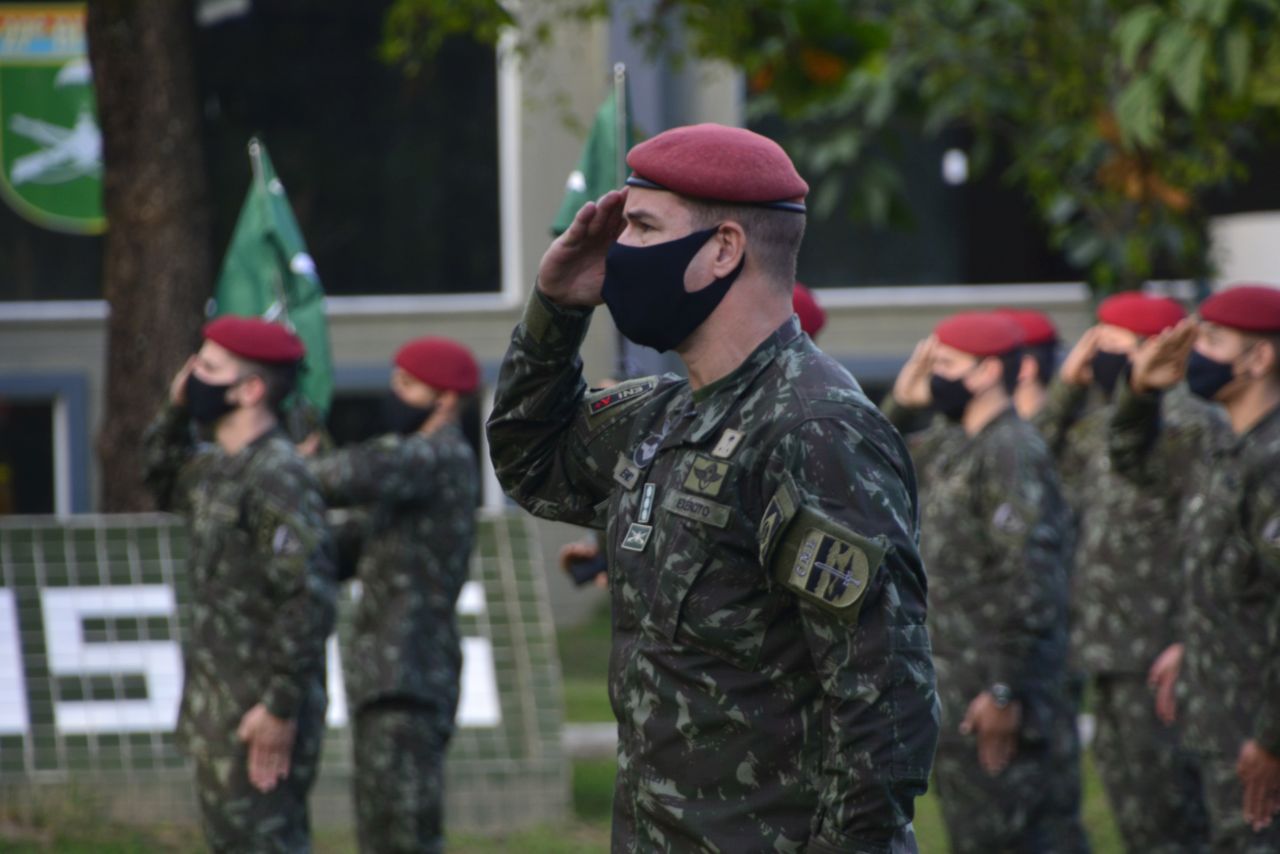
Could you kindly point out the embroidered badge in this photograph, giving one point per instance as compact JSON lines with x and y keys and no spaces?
{"x":727,"y":444}
{"x":626,"y":473}
{"x":706,"y":476}
{"x":830,"y":569}
{"x":646,"y":503}
{"x":637,"y":537}
{"x":620,"y":394}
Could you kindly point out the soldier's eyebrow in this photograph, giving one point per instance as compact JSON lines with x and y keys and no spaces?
{"x":639,"y":215}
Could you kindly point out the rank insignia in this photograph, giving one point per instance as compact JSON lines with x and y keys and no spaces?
{"x":637,"y":537}
{"x":727,"y":444}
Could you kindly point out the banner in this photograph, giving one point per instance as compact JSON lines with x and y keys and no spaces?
{"x":50,"y":144}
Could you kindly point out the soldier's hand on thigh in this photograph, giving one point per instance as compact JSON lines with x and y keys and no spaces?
{"x":270,"y":740}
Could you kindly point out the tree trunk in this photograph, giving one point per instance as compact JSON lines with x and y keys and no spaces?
{"x":158,"y":265}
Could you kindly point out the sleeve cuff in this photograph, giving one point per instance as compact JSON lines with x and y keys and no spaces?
{"x":554,"y":330}
{"x":282,"y":698}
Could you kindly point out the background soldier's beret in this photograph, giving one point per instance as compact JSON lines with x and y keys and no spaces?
{"x":980,"y":333}
{"x":1141,"y":314}
{"x":440,"y":363}
{"x":720,"y":164}
{"x":812,"y":317}
{"x":1036,"y":326}
{"x":1249,"y":308}
{"x":255,"y":339}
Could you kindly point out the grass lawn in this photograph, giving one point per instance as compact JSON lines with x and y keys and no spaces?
{"x":71,"y":828}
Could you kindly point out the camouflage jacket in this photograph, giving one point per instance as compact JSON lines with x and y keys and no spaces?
{"x":995,"y":536}
{"x":1231,"y":669}
{"x":417,"y":501}
{"x":1126,"y":602}
{"x":261,"y":573}
{"x":770,"y":670}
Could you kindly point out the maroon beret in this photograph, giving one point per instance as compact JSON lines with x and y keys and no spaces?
{"x":255,"y":339}
{"x":1249,"y":308}
{"x":1037,"y":328}
{"x":440,"y":363}
{"x":812,"y":317}
{"x":1141,"y":314}
{"x":719,"y":164}
{"x":980,"y":333}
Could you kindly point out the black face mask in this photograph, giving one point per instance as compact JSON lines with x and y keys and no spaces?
{"x":403,"y":418}
{"x":1107,"y":368}
{"x":950,"y":397}
{"x":207,"y":402}
{"x":644,"y":289}
{"x":1206,"y":377}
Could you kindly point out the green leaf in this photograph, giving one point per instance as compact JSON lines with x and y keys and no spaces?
{"x":1236,"y":49}
{"x":1138,"y":112}
{"x":1134,"y":31}
{"x":1187,"y":79}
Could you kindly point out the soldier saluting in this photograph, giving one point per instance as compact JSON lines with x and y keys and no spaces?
{"x":771,"y":672}
{"x":262,"y":578}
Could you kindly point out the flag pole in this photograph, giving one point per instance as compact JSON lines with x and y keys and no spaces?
{"x":620,"y":110}
{"x":255,"y":163}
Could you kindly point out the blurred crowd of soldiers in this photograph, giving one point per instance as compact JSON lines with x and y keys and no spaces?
{"x":1105,"y":532}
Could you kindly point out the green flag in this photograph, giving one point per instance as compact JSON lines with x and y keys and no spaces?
{"x":598,"y":169}
{"x":268,"y":273}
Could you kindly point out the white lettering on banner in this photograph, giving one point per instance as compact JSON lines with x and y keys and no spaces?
{"x":160,"y":662}
{"x":13,"y":680}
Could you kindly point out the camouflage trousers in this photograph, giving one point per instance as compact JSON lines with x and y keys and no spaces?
{"x":1063,"y":820}
{"x":399,"y":776}
{"x":1152,"y":783}
{"x":1224,"y":794}
{"x":1001,"y":814}
{"x":238,"y":819}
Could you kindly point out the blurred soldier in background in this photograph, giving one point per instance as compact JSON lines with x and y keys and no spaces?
{"x":995,"y":538}
{"x":262,"y":586}
{"x":1127,"y":592}
{"x":415,"y":491}
{"x":1228,"y":655}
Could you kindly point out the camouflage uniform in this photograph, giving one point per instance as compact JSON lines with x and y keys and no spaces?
{"x":1229,"y":689}
{"x":416,"y":496}
{"x":1126,"y":605}
{"x":770,"y":670}
{"x":262,"y":605}
{"x":996,"y":540}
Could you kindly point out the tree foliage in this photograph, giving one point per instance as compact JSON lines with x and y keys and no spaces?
{"x":1116,"y":118}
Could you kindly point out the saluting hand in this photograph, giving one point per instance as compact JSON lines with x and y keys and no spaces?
{"x":1077,"y":368}
{"x":996,"y":730}
{"x":1259,"y":771}
{"x":911,"y":388}
{"x":178,"y":385}
{"x":1162,"y":361}
{"x":270,"y":741}
{"x":572,"y":268}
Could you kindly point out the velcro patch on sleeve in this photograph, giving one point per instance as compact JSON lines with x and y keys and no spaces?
{"x":778,"y":513}
{"x":601,"y":402}
{"x":826,"y":563}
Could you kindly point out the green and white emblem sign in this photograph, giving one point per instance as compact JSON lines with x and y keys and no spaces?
{"x":50,"y":144}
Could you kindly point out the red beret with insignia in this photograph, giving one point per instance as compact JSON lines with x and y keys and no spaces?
{"x":980,"y":333}
{"x":720,"y":164}
{"x":812,"y":317}
{"x":1249,"y":308}
{"x":255,"y":339}
{"x":1141,"y":314}
{"x":1037,"y":328}
{"x":440,"y":363}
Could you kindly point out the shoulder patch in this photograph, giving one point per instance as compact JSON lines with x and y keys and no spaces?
{"x":778,"y":513}
{"x":601,"y":401}
{"x":826,"y":563}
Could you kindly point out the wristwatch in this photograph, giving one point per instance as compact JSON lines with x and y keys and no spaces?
{"x":1001,"y":693}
